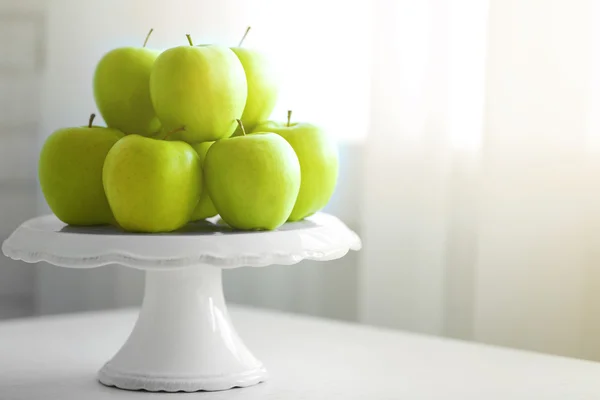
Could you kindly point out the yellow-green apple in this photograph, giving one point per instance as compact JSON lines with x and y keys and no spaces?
{"x":200,"y":87}
{"x":152,"y":185}
{"x":253,"y":180}
{"x":122,"y":89}
{"x":318,"y":156}
{"x":70,"y":173}
{"x":262,"y":86}
{"x":205,"y":208}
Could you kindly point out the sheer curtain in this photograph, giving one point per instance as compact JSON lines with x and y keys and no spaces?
{"x":487,"y":228}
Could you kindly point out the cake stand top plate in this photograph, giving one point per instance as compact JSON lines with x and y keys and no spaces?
{"x":319,"y":237}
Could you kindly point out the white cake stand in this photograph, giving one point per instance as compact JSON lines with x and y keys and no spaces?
{"x":183,"y":339}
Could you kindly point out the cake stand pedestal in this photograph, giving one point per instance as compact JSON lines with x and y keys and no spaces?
{"x":183,"y":339}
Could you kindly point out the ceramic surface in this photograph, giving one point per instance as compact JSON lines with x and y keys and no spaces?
{"x":319,"y":237}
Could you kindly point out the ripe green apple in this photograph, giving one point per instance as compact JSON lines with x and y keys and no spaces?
{"x":253,"y":180}
{"x":152,"y":185}
{"x":318,"y":156}
{"x":205,"y":208}
{"x":122,"y":89}
{"x":200,"y":87}
{"x":70,"y":173}
{"x":262,"y":86}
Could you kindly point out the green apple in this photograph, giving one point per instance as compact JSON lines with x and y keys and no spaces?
{"x":70,"y":173}
{"x":152,"y":185}
{"x":262,"y":86}
{"x":200,"y":87}
{"x":253,"y":180}
{"x":318,"y":156}
{"x":205,"y":208}
{"x":122,"y":89}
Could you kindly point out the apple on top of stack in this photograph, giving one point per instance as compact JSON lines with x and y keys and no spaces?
{"x":187,"y":139}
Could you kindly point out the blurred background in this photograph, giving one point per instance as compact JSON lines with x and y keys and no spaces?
{"x":469,"y":134}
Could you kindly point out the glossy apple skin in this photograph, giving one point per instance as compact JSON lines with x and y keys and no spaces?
{"x":152,"y":185}
{"x":263,"y":89}
{"x":205,"y":208}
{"x":70,"y":174}
{"x":319,"y":163}
{"x":122,"y":90}
{"x":201,"y":88}
{"x":253,"y":180}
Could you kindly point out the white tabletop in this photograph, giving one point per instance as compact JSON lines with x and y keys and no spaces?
{"x":57,"y":358}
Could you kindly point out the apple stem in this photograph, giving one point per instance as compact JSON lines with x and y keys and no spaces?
{"x":148,"y":37}
{"x":92,"y":116}
{"x":239,"y":121}
{"x":289,"y":117}
{"x":181,"y":128}
{"x":189,"y":38}
{"x":244,"y":37}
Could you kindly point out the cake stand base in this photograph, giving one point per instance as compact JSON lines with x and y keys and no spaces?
{"x":183,"y":339}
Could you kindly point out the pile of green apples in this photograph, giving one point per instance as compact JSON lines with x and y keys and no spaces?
{"x":187,"y":138}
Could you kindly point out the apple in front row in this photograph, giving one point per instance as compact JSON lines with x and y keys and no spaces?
{"x":319,"y":164}
{"x":152,"y":185}
{"x":70,"y":173}
{"x":253,"y":180}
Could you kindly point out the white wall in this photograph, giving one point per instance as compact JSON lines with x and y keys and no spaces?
{"x":21,"y":67}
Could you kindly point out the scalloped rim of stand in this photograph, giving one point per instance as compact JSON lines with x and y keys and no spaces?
{"x":241,"y":260}
{"x":108,"y":376}
{"x":329,"y":239}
